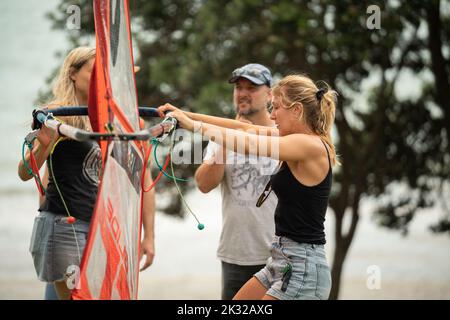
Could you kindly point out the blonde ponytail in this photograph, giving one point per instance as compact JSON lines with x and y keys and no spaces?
{"x":319,"y":105}
{"x":327,"y":106}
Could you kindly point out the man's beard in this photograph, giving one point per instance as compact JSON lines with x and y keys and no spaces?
{"x":248,"y":112}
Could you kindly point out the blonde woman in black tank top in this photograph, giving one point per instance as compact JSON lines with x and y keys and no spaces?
{"x":304,"y":116}
{"x":56,"y":245}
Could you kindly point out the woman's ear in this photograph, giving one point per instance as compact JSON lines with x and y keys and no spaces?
{"x":297,"y":110}
{"x":73,"y":74}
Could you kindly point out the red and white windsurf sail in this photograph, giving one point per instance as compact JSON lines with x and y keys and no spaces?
{"x":110,"y":265}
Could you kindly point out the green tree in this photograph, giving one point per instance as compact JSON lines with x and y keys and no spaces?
{"x":187,"y":50}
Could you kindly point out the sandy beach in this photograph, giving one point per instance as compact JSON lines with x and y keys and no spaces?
{"x":186,"y":267}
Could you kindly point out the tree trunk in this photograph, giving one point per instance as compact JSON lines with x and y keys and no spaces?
{"x":438,"y":63}
{"x":342,"y":242}
{"x":338,"y":257}
{"x":340,"y":253}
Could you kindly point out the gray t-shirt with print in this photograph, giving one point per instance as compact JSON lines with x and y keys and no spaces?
{"x":247,"y":231}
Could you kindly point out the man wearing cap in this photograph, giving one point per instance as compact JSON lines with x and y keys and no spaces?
{"x":247,"y":231}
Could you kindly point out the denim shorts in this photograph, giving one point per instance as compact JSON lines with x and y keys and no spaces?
{"x":296,"y":271}
{"x":55,"y":245}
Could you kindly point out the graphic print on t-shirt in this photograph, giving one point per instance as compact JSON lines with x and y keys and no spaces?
{"x":247,"y":181}
{"x":92,"y":164}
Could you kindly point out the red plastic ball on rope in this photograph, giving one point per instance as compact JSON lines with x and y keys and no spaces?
{"x":71,"y":220}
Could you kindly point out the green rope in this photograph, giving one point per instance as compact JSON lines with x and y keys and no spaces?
{"x":155,"y":142}
{"x":172,"y":143}
{"x":25,"y":163}
{"x":30,"y":172}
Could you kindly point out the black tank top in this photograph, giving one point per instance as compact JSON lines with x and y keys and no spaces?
{"x":76,"y":166}
{"x":300,"y":212}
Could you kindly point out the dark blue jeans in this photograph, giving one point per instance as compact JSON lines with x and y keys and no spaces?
{"x":50,"y":292}
{"x":234,"y":277}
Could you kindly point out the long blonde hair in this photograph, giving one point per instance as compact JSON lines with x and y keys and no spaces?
{"x":319,"y":105}
{"x":64,"y":87}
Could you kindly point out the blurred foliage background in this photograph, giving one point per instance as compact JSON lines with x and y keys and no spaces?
{"x":393,"y":118}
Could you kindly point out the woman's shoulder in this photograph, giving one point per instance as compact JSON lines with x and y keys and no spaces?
{"x":311,"y":145}
{"x":306,"y":140}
